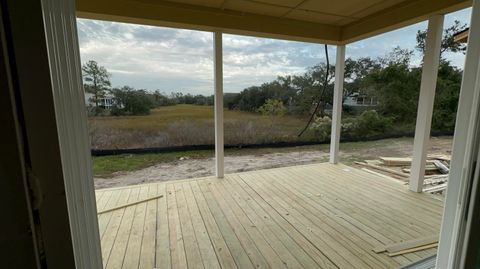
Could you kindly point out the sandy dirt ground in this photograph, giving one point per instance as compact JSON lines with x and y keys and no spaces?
{"x":191,"y":168}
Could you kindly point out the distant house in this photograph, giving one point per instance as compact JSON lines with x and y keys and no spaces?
{"x":105,"y":102}
{"x":360,"y":102}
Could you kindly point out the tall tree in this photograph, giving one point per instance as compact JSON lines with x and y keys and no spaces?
{"x":96,"y":81}
{"x":448,"y":42}
{"x":355,"y":72}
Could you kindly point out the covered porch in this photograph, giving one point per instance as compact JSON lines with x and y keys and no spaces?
{"x":322,"y":215}
{"x":308,"y":216}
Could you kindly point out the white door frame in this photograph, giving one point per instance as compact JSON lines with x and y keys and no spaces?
{"x":71,"y":116}
{"x":463,"y":155}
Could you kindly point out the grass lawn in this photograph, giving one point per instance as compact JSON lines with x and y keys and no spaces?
{"x":106,"y":166}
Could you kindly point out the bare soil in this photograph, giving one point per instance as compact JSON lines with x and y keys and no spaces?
{"x":261,"y":159}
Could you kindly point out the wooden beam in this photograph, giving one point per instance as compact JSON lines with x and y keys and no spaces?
{"x":337,"y":104}
{"x":398,"y":16}
{"x":400,"y":174}
{"x":180,"y":15}
{"x":218,"y":67}
{"x":425,"y":102}
{"x":463,"y":144}
{"x":130,"y":204}
{"x":410,"y":250}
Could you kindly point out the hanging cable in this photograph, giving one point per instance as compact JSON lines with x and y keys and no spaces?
{"x":325,"y":84}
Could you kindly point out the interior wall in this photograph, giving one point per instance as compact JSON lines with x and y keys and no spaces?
{"x":18,"y":245}
{"x":48,"y":242}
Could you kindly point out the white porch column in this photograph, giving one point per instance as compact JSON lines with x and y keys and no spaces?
{"x":337,"y":104}
{"x":218,"y":70}
{"x":461,"y":167}
{"x":425,"y":101}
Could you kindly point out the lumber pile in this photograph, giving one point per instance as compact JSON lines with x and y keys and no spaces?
{"x":437,"y":168}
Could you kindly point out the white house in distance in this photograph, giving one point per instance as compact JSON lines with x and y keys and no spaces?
{"x":105,"y":102}
{"x":359,"y":102}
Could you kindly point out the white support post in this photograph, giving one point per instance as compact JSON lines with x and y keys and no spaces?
{"x":425,"y":101}
{"x":337,"y":104}
{"x":450,"y":244}
{"x":218,"y":70}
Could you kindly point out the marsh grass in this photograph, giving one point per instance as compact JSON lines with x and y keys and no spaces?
{"x":189,"y":125}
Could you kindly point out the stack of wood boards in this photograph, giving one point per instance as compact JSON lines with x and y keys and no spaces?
{"x":396,"y":161}
{"x":409,"y":246}
{"x":436,"y":170}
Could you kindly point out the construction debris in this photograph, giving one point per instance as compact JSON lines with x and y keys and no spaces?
{"x":410,"y":250}
{"x":408,"y":246}
{"x":129,"y":204}
{"x":436,"y":189}
{"x":398,"y":168}
{"x":429,"y":169}
{"x":383,"y":169}
{"x":441,"y":167}
{"x":395,"y":161}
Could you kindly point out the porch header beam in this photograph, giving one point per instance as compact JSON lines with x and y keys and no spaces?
{"x":398,"y":16}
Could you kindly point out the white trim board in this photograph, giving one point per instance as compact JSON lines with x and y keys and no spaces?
{"x":71,"y":117}
{"x":451,"y":237}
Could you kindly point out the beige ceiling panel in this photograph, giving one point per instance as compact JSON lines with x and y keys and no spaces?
{"x":377,"y":7}
{"x":312,"y":16}
{"x":338,"y":7}
{"x":285,"y":3}
{"x":255,"y":8}
{"x":205,"y":3}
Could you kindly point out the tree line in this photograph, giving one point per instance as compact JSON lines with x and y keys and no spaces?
{"x":392,"y":79}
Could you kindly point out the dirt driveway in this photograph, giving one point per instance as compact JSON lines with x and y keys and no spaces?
{"x":262,"y":159}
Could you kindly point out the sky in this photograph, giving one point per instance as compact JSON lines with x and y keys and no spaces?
{"x":177,"y":60}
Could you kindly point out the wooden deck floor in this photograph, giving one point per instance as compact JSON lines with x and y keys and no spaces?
{"x":311,"y":216}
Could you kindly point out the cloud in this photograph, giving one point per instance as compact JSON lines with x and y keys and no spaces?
{"x":182,"y":60}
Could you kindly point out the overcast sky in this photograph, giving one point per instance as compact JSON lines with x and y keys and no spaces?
{"x":170,"y":60}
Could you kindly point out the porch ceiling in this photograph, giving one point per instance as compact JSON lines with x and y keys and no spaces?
{"x":332,"y":22}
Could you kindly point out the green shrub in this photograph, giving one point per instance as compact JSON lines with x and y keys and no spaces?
{"x":370,"y":122}
{"x":367,"y":124}
{"x":322,"y":127}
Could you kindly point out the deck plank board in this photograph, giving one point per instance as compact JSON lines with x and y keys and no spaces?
{"x":110,"y":235}
{"x":134,"y":246}
{"x":205,"y":244}
{"x":117,"y":253}
{"x":162,"y":244}
{"x":147,"y":253}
